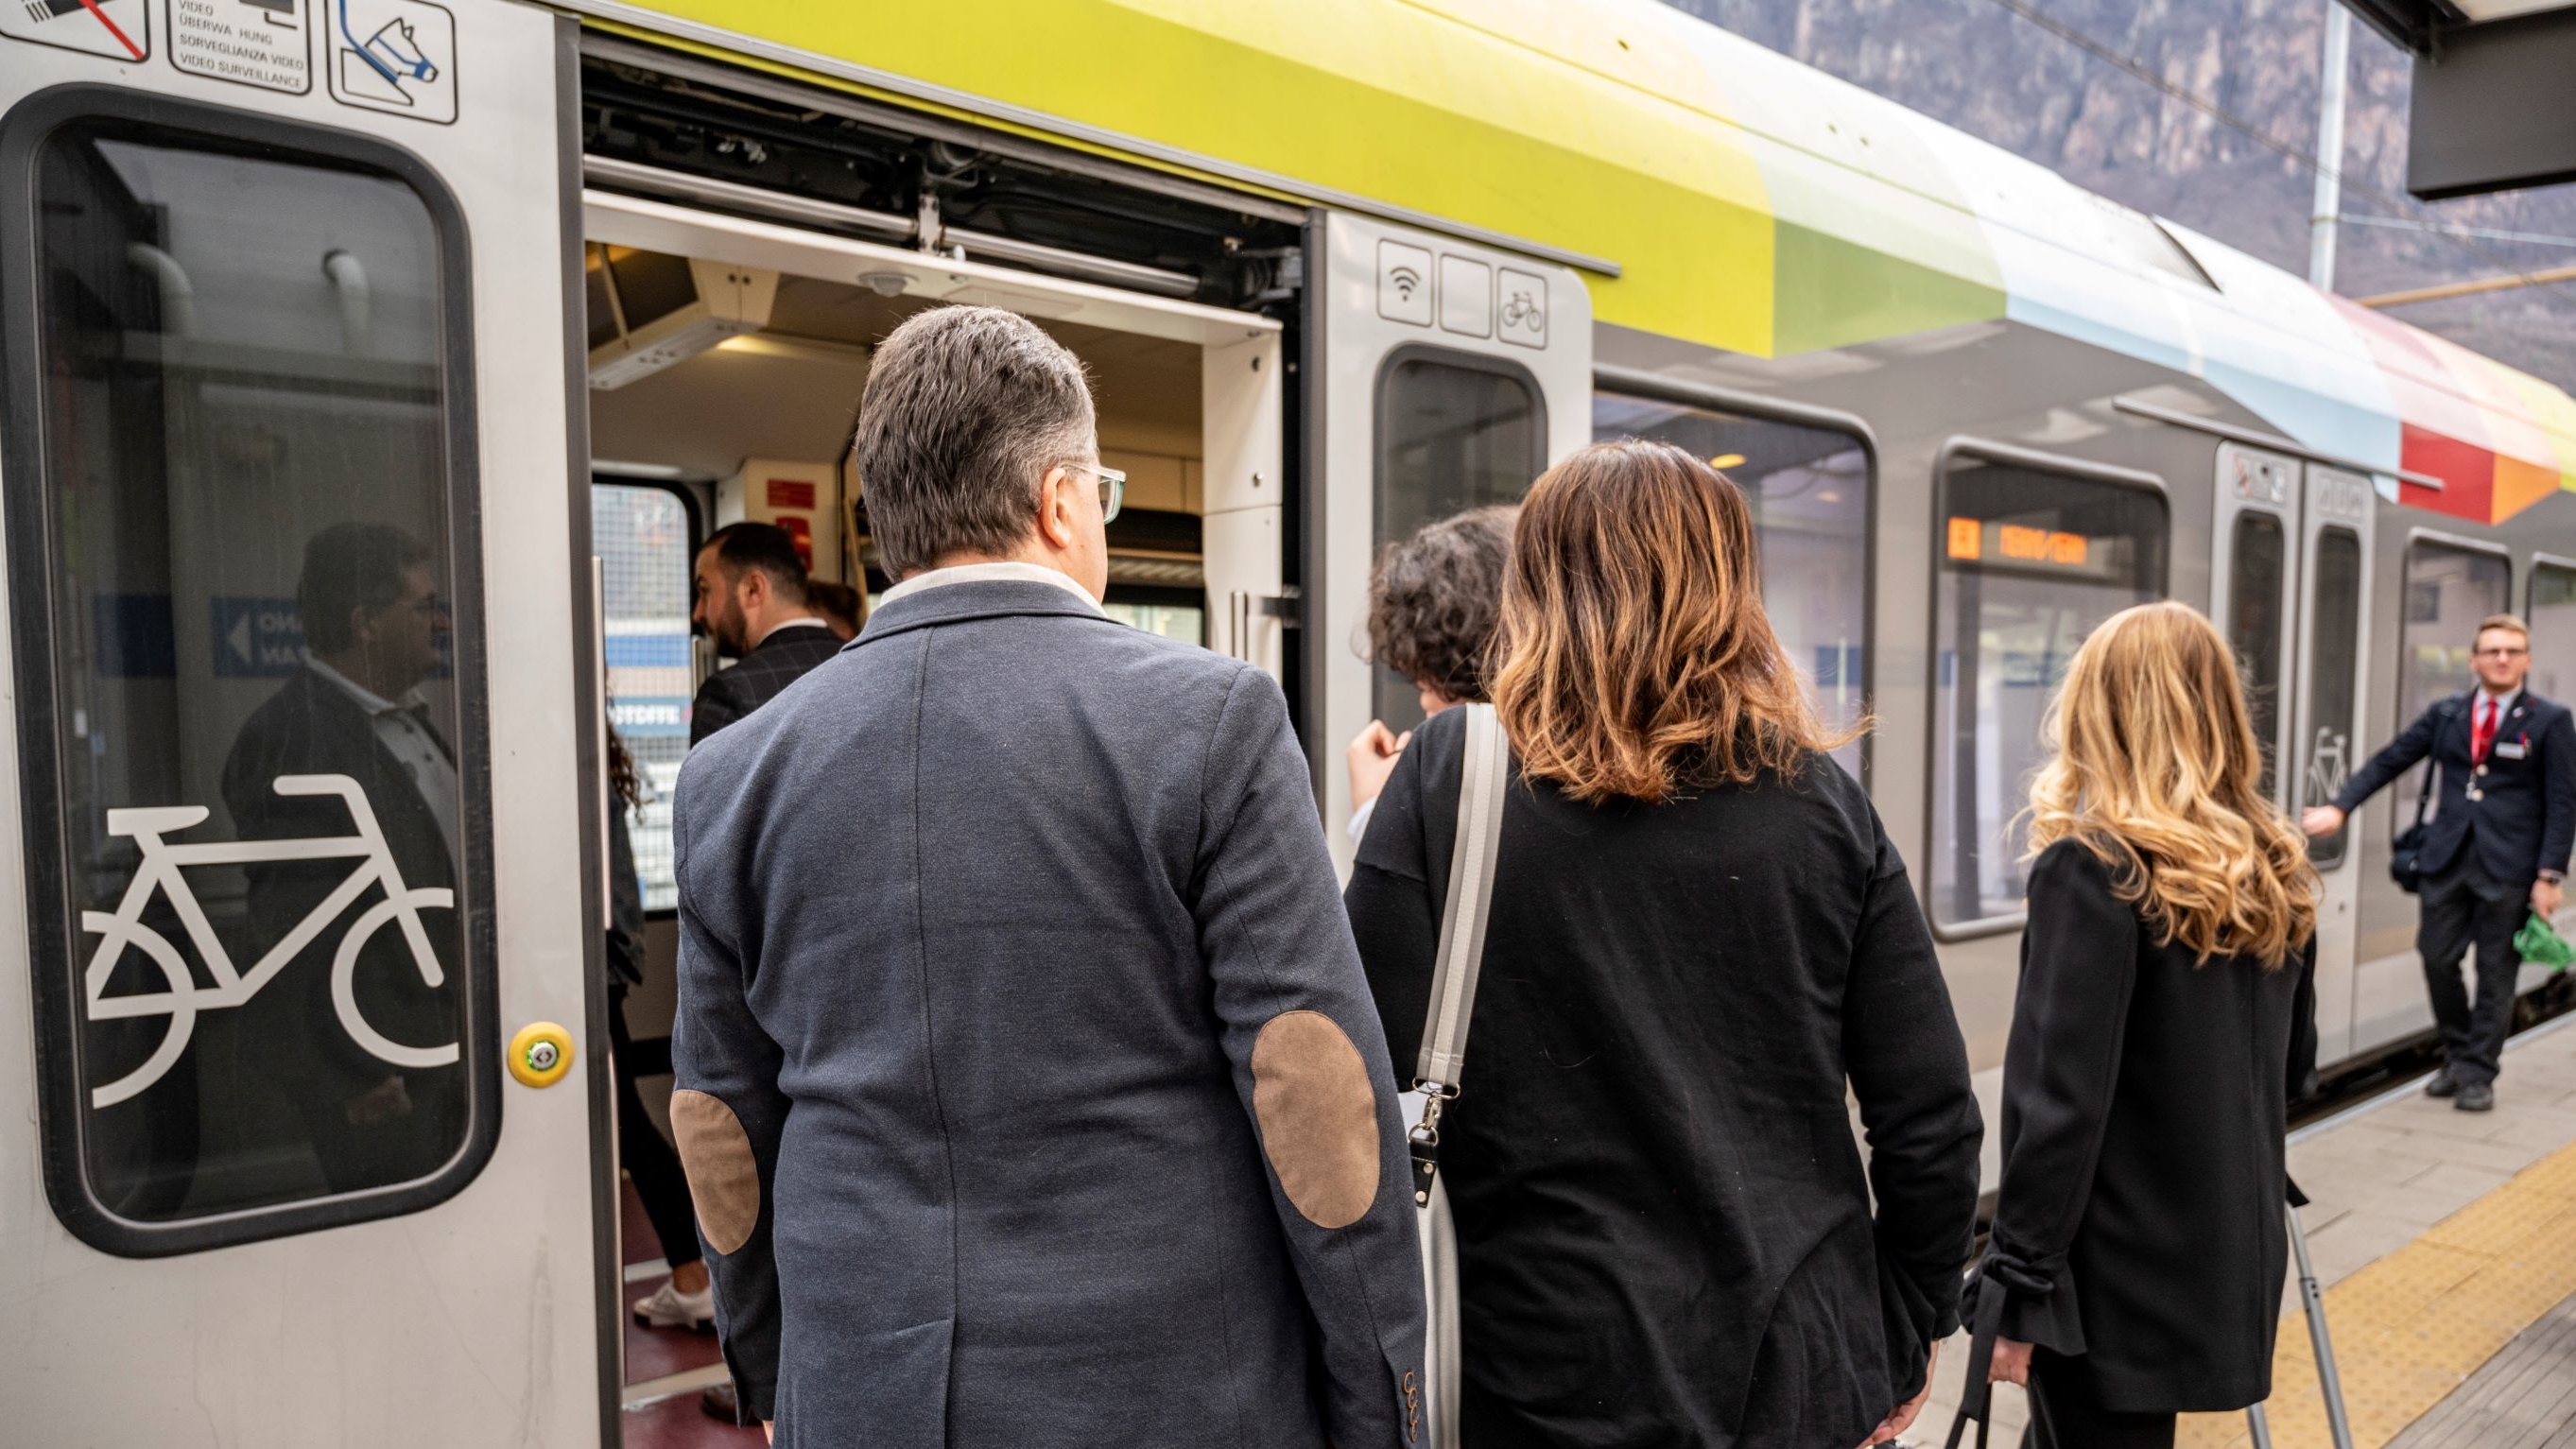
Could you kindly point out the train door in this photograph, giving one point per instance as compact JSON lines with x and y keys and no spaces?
{"x":1458,"y":373}
{"x":2291,"y":547}
{"x":2334,"y":642}
{"x":296,"y":1014}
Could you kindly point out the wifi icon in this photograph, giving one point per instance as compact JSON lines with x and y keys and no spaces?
{"x":1404,"y":283}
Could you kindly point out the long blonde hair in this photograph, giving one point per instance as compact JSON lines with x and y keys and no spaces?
{"x":2158,"y":773}
{"x":1636,"y":659}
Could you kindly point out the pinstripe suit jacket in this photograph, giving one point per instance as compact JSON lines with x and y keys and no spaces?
{"x":1029,"y":1086}
{"x":773,"y":664}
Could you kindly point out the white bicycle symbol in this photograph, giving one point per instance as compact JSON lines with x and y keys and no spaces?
{"x":161,"y":871}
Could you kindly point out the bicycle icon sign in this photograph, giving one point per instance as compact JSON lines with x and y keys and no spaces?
{"x":161,"y":873}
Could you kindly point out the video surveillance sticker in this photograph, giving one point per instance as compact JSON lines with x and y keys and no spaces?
{"x":116,"y":29}
{"x":263,"y":43}
{"x":395,"y":56}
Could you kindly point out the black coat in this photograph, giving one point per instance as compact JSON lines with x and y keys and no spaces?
{"x":759,"y":677}
{"x":2525,"y":817}
{"x":1664,"y":1223}
{"x":2144,"y":1102}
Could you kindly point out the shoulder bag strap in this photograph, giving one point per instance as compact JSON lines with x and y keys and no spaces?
{"x":1482,"y":779}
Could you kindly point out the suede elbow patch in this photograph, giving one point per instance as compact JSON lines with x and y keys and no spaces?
{"x":724,"y":1178}
{"x":1318,"y":1117}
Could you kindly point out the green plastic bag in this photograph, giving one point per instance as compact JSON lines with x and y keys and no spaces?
{"x":2542,"y":946}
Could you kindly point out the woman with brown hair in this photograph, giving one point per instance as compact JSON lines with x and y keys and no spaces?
{"x":1700,"y":938}
{"x":2164,"y":1019}
{"x":1432,"y":604}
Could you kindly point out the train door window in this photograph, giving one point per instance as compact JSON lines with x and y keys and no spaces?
{"x":1809,"y":488}
{"x":2334,"y":631}
{"x":250,"y":685}
{"x":2031,"y":558}
{"x":1454,"y":432}
{"x":2449,"y":588}
{"x":646,"y":539}
{"x":2257,"y":553}
{"x":2552,"y":616}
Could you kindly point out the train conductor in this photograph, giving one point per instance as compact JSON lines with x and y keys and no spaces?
{"x":2494,"y":847}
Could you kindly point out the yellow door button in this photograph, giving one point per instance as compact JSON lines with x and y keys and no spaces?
{"x":540,"y":1054}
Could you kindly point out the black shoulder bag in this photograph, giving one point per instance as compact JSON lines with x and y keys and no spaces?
{"x":2406,"y":857}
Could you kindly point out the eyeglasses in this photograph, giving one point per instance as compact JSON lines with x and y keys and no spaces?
{"x":1113,"y":486}
{"x":2505,"y":653}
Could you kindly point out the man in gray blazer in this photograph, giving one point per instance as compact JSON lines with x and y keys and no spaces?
{"x":1029,"y":1087}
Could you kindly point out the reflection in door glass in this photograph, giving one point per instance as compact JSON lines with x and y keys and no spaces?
{"x":1809,"y":491}
{"x":2334,"y":648}
{"x":2030,"y":562}
{"x":2448,"y":590}
{"x":2254,"y":624}
{"x":1451,"y":435}
{"x":263,"y":763}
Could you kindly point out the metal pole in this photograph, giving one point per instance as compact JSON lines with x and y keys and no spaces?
{"x":2260,"y":1427}
{"x":2330,"y":107}
{"x":2313,"y":1298}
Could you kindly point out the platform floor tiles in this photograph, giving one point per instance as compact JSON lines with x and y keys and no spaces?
{"x":2439,"y":1236}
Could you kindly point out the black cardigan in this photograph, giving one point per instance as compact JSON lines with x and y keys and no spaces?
{"x":2144,"y":1101}
{"x":1664,"y":1224}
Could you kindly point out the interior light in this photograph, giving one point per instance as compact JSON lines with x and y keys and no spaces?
{"x":1727,"y":460}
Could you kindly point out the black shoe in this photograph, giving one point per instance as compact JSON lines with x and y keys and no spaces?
{"x":718,"y":1402}
{"x":2443,"y":1084}
{"x":2476,"y":1097}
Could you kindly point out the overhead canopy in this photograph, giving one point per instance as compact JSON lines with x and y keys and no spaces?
{"x":2493,"y":109}
{"x":2420,"y":25}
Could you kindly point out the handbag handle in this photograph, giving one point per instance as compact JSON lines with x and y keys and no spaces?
{"x":1482,"y":778}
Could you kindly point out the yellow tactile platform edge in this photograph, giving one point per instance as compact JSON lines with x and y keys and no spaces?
{"x":2411,"y":1327}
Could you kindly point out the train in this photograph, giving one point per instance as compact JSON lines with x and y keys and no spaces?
{"x":384,"y":360}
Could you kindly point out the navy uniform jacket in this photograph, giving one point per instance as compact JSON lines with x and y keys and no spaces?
{"x":2526,"y":813}
{"x":1028,"y":1084}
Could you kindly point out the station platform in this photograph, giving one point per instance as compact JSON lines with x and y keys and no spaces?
{"x":2446,"y":1245}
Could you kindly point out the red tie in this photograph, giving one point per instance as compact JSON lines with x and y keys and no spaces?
{"x":2483,"y":736}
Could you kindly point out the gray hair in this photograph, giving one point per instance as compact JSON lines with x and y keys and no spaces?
{"x":965,"y":411}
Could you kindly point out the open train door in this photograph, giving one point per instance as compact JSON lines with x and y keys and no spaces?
{"x":297,"y":760}
{"x":1455,"y":374}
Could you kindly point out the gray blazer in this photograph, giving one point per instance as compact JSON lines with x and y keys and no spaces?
{"x":1028,"y":1084}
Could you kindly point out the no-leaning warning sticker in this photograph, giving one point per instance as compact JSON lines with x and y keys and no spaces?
{"x":264,"y":43}
{"x":117,"y":29}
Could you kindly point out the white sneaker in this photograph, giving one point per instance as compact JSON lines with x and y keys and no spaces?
{"x":671,"y":1308}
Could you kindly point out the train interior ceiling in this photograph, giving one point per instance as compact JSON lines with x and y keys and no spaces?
{"x":771,"y":404}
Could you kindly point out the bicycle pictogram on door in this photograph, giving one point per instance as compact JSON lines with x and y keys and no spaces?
{"x":161,"y":872}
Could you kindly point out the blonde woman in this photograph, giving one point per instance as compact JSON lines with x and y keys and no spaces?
{"x":1700,"y":940}
{"x":2164,"y":1020}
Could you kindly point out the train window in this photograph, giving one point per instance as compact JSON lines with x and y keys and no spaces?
{"x":646,"y":539}
{"x":1454,"y":432}
{"x":2257,"y":554}
{"x":2030,"y":560}
{"x":2334,"y":637}
{"x":2449,"y":588}
{"x":2552,"y":616}
{"x":250,"y":698}
{"x":1809,"y":487}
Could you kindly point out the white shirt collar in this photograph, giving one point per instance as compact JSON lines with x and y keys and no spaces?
{"x":1010,"y":570}
{"x":808,"y":622}
{"x":367,"y":699}
{"x":2503,"y":701}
